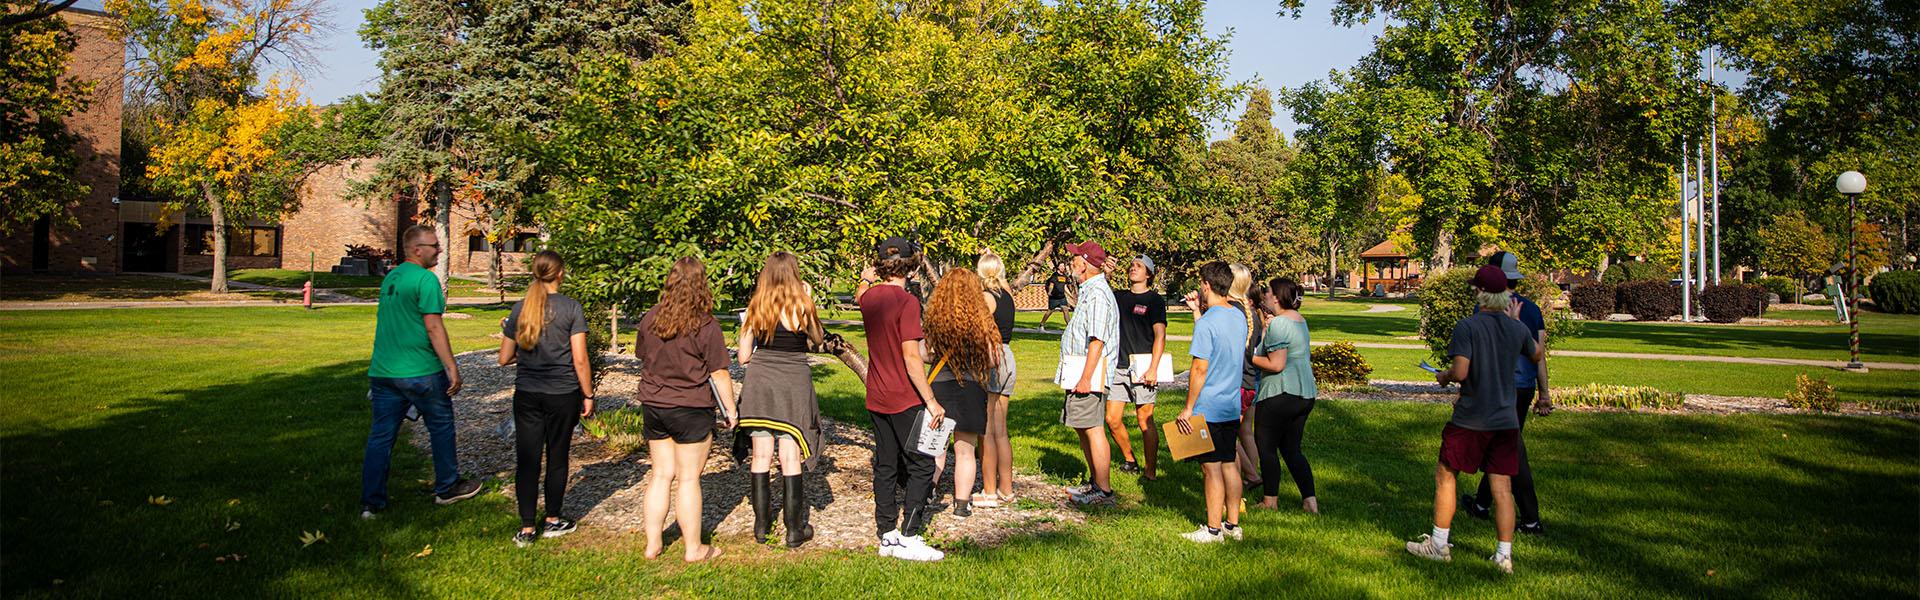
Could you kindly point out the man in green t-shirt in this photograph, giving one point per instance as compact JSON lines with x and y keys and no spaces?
{"x":412,"y":367}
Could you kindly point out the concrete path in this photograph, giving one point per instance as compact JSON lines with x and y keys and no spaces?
{"x":1385,"y":308}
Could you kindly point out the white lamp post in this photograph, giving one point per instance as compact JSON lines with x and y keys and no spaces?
{"x":1851,"y":184}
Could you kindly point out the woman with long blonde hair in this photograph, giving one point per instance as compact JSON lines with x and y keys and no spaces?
{"x":683,"y":367}
{"x":996,"y":448}
{"x":777,"y":403}
{"x":1249,"y":377}
{"x":552,"y":389}
{"x":965,"y":346}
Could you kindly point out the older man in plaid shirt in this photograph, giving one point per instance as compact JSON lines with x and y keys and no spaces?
{"x":1088,"y":352}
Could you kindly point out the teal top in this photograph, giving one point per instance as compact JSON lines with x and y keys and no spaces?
{"x":1297,"y":375}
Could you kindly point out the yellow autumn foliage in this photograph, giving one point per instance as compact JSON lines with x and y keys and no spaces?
{"x":221,"y":145}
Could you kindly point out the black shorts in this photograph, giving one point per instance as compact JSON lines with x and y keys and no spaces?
{"x":1058,"y":304}
{"x":1226,"y":443}
{"x":683,"y":425}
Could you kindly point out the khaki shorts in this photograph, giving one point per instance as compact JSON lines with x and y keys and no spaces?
{"x":1132,"y":393}
{"x":1084,"y":411}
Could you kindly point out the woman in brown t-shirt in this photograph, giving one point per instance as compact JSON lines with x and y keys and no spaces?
{"x":683,"y":369}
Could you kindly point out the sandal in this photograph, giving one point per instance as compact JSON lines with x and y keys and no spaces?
{"x":986,"y":501}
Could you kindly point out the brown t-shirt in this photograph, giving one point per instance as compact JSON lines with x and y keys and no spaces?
{"x":673,"y":373}
{"x":891,"y":317}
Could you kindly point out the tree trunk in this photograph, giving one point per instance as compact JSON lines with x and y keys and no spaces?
{"x":1037,"y":265}
{"x":1443,"y":248}
{"x":1603,"y":267}
{"x":218,"y":214}
{"x":493,"y":270}
{"x":442,"y":228}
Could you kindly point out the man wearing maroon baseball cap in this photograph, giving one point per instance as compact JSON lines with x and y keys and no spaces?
{"x":1484,"y":433}
{"x":1089,"y":349}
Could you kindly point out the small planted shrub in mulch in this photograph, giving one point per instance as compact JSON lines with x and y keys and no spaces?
{"x":1727,"y":303}
{"x":1648,"y":300}
{"x":1339,"y":364}
{"x":1812,"y":393}
{"x":1619,"y":396}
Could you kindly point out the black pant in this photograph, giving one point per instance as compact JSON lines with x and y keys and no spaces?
{"x":542,"y":422}
{"x":1278,"y":424}
{"x":895,"y":463}
{"x":1526,"y":504}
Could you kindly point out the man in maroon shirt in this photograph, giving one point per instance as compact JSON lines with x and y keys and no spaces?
{"x":897,"y":399}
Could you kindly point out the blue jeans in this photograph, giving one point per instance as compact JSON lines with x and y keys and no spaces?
{"x":390,"y":398}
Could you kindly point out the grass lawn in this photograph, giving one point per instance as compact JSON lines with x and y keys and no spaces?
{"x":251,"y":422}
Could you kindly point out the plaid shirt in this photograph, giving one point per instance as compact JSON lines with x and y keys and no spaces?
{"x":1096,"y":318}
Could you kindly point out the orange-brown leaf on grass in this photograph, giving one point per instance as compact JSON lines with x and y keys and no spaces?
{"x":424,"y":552}
{"x":159,"y":500}
{"x":309,"y":538}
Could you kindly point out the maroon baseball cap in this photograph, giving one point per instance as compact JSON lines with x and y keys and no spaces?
{"x":1091,"y":251}
{"x":1490,"y":279}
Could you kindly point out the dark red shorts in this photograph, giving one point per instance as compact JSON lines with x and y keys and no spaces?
{"x":1469,"y":451}
{"x":1246,"y":401}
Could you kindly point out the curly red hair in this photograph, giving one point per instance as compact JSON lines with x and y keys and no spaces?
{"x":959,"y":327}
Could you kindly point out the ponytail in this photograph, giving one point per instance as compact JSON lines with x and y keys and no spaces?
{"x":547,"y":267}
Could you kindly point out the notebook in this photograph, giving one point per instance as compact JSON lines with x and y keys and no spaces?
{"x":931,"y":442}
{"x":1071,"y":368}
{"x":1187,"y":445}
{"x":1137,"y":367}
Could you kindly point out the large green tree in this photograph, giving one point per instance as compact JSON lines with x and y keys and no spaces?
{"x":38,"y":158}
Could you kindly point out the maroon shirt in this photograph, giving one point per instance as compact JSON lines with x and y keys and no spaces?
{"x":891,"y":317}
{"x":674,"y":373}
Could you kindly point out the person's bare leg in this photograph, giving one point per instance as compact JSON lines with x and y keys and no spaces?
{"x":690,"y":460}
{"x":1117,"y":427}
{"x":1214,"y":485}
{"x":964,"y":466}
{"x":1443,"y":498}
{"x":1003,"y":442}
{"x":1503,"y":506}
{"x":1099,"y":456}
{"x":762,"y":455}
{"x":789,"y":457}
{"x":1149,"y":439}
{"x":989,"y":450}
{"x":659,"y":494}
{"x":1232,"y":501}
{"x":1248,"y":456}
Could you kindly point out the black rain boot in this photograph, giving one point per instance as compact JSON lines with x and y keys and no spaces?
{"x":799,"y":530}
{"x":762,"y":499}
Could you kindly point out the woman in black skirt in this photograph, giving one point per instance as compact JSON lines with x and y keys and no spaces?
{"x":552,"y":389}
{"x":964,"y":345}
{"x":777,"y":404}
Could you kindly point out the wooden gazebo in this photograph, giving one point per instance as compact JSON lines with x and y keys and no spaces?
{"x":1387,"y":270}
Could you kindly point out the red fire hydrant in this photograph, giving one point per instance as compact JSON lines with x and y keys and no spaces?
{"x":306,"y":290}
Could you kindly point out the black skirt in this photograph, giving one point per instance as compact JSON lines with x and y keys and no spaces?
{"x":965,"y":403}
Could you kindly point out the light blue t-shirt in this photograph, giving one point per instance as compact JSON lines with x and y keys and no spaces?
{"x":1220,"y":338}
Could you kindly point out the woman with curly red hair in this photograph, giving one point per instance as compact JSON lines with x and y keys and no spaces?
{"x":964,"y":344}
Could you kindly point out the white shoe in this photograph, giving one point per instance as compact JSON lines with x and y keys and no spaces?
{"x":1235,"y":533}
{"x":986,"y":501}
{"x":915,"y":548}
{"x":1202,"y":536}
{"x":1504,"y":561}
{"x":1431,"y":549}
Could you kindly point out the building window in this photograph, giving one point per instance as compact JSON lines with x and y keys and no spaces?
{"x":241,"y":241}
{"x":520,"y":242}
{"x":476,"y":243}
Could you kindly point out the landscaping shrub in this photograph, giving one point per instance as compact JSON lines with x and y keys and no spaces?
{"x":1446,"y":297}
{"x":1593,"y":301}
{"x":1618,"y":396}
{"x":1759,"y":302}
{"x":1727,"y":303}
{"x":1784,"y":287}
{"x":1896,"y":292}
{"x":1648,"y":300}
{"x":1339,"y":364}
{"x":1811,"y":393}
{"x":1623,"y":272}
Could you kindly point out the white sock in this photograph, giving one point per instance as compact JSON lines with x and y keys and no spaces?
{"x":1504,"y":549}
{"x":1440,"y":535}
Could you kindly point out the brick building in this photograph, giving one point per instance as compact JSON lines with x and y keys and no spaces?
{"x":93,"y":243}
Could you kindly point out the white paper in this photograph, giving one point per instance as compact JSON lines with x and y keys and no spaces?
{"x":1071,"y":368}
{"x":933,"y":442}
{"x":1137,"y":367}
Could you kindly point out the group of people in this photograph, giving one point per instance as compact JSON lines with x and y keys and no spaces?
{"x":1251,"y":387}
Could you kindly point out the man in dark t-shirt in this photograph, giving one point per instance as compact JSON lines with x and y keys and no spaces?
{"x":1143,"y":333}
{"x":897,"y":398}
{"x":1057,"y":285}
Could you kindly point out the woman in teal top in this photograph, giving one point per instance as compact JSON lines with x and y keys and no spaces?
{"x":1286,"y":394}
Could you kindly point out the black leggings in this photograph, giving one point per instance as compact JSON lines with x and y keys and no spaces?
{"x":1278,"y":423}
{"x":1525,"y":501}
{"x":542,"y":422}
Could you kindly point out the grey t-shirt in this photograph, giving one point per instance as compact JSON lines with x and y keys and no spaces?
{"x":1492,"y":342}
{"x":548,"y":367}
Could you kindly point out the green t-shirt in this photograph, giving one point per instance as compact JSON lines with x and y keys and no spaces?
{"x":400,"y":346}
{"x":1297,"y":377}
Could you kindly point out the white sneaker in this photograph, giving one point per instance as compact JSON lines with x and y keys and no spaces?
{"x":1504,"y":561}
{"x":915,"y":548}
{"x":1202,"y":536}
{"x":1235,"y":533}
{"x":1431,"y":549}
{"x":890,"y":543}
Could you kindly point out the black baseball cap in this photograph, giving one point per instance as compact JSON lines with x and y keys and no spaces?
{"x":895,"y":247}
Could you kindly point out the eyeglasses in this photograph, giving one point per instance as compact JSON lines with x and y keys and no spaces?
{"x":434,"y":246}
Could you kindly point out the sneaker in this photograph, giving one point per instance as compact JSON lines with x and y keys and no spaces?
{"x":1085,"y":486}
{"x":369,"y":513}
{"x":462,"y":489}
{"x":554,"y":529}
{"x":1095,"y":497}
{"x":1233,"y":532}
{"x":1473,"y":507}
{"x":916,"y":549}
{"x":1202,"y":536}
{"x":1130,"y":467}
{"x":1503,"y":561}
{"x":890,"y":543}
{"x":1534,"y":528}
{"x":962,"y":509}
{"x":1431,"y":549}
{"x":524,"y":538}
{"x":986,"y":501}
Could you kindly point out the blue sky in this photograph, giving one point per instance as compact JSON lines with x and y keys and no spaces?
{"x":1274,"y":50}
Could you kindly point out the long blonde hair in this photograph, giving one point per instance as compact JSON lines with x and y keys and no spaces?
{"x":1242,"y":282}
{"x":959,"y":327}
{"x":992,"y":272}
{"x":547,"y":267}
{"x":780,"y":293}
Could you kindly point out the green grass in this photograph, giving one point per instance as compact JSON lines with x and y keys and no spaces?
{"x":89,"y":288}
{"x":266,"y":407}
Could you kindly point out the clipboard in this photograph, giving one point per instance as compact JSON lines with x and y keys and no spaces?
{"x":1185,"y":446}
{"x":1137,"y":367}
{"x":1428,"y":368}
{"x":1071,"y":367}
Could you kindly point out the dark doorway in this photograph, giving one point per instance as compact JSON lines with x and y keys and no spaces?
{"x":145,"y":248}
{"x":42,"y":242}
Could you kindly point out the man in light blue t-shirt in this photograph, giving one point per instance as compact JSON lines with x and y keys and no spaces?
{"x":1213,"y":392}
